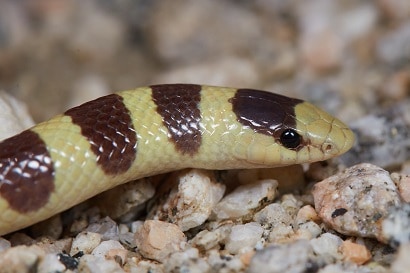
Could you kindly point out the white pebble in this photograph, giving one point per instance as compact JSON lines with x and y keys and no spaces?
{"x":327,"y":247}
{"x":245,"y":199}
{"x":51,"y":263}
{"x":106,"y":227}
{"x":294,"y":258}
{"x":85,"y":242}
{"x":157,"y":240}
{"x":187,"y":261}
{"x":103,"y":249}
{"x":273,"y":215}
{"x":195,"y":195}
{"x":244,"y":237}
{"x":94,"y":264}
{"x":211,"y":239}
{"x":396,"y":227}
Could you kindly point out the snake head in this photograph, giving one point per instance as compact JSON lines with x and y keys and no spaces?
{"x":284,"y":131}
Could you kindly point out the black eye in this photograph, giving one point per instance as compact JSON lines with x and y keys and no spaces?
{"x":290,"y":139}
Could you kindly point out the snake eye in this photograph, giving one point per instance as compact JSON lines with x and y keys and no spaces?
{"x":290,"y":139}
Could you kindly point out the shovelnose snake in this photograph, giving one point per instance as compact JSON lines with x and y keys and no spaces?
{"x":150,"y":130}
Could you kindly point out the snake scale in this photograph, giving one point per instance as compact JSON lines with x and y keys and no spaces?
{"x":150,"y":130}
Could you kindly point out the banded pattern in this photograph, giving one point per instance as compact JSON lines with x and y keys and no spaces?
{"x":149,"y":130}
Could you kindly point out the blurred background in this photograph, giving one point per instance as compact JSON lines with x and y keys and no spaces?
{"x":350,"y":57}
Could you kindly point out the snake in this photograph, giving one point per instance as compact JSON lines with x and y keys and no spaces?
{"x":151,"y":130}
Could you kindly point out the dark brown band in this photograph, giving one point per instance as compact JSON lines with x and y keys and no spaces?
{"x":178,"y":105}
{"x":26,"y":172}
{"x":266,"y":113}
{"x":106,"y":123}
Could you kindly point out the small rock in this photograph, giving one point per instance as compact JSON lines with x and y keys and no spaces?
{"x":308,"y":230}
{"x":355,"y":253}
{"x":157,"y":240}
{"x":281,"y":234}
{"x":85,"y":242}
{"x":244,"y":237}
{"x":245,"y":199}
{"x":356,"y":201}
{"x":21,"y":259}
{"x":111,"y":250}
{"x":295,"y":257}
{"x":307,"y":213}
{"x":403,"y":184}
{"x":190,"y":202}
{"x":273,"y":215}
{"x":106,"y":227}
{"x":51,"y":263}
{"x":94,"y":264}
{"x":396,"y":226}
{"x":187,"y":261}
{"x":206,"y":239}
{"x":327,"y":247}
{"x":224,"y":262}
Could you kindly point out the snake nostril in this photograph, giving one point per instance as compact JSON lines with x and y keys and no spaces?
{"x":328,"y":147}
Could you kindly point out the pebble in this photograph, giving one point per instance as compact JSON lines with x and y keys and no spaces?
{"x":191,"y":201}
{"x":95,"y":264}
{"x":245,"y":199}
{"x":327,"y":247}
{"x":14,"y":116}
{"x":106,"y":227}
{"x":356,"y":253}
{"x":273,"y":215}
{"x":244,"y":238}
{"x":356,"y":201}
{"x":403,"y":184}
{"x":111,"y":250}
{"x":305,"y":214}
{"x":396,"y":226}
{"x":283,"y":258}
{"x":308,"y":230}
{"x":157,"y":240}
{"x":224,"y":263}
{"x":85,"y":242}
{"x":212,"y":239}
{"x":21,"y":259}
{"x":187,"y":261}
{"x":51,"y":263}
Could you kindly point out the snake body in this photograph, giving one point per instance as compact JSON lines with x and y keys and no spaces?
{"x":138,"y":133}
